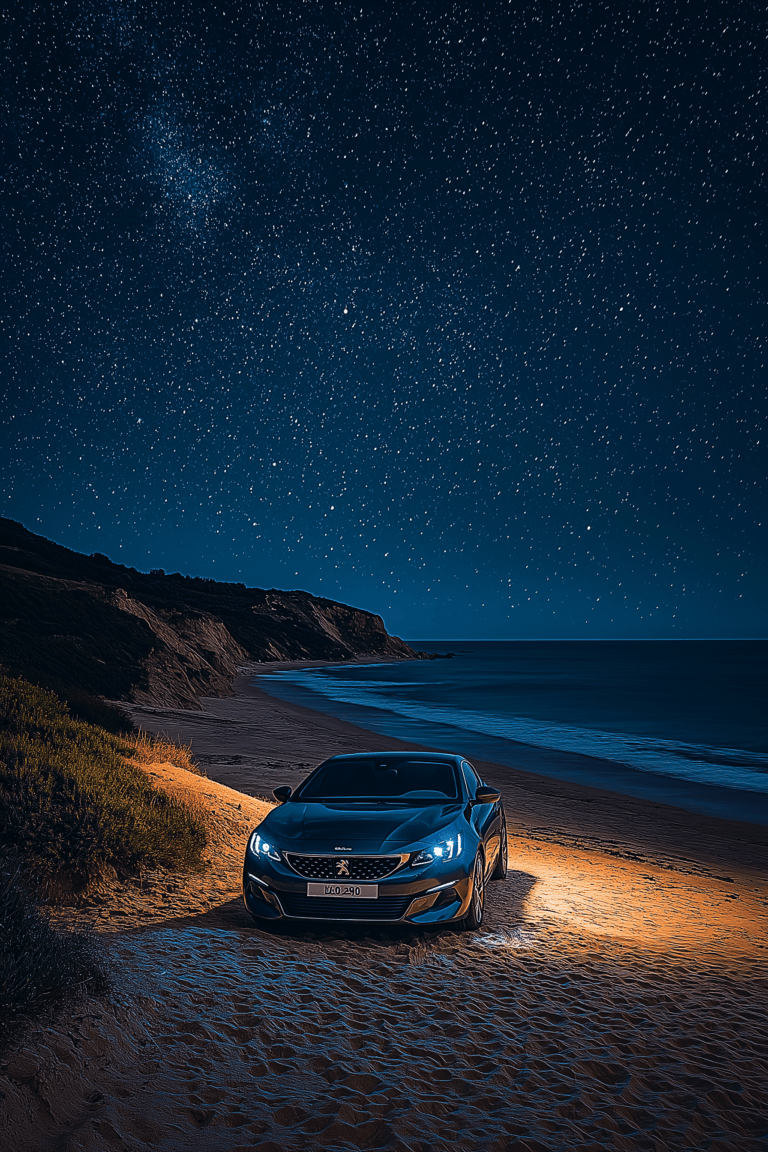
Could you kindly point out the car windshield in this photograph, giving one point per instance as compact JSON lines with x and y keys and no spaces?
{"x":379,"y":778}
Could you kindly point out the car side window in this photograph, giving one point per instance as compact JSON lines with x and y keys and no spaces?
{"x":470,"y":776}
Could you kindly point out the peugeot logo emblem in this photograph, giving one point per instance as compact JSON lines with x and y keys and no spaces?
{"x":342,"y":867}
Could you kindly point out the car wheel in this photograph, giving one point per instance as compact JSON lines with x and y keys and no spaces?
{"x":474,"y":916}
{"x":500,"y":867}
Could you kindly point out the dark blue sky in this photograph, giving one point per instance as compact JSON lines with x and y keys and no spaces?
{"x":454,"y":312}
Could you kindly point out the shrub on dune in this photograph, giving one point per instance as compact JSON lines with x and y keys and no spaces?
{"x":73,"y":803}
{"x":39,"y":964}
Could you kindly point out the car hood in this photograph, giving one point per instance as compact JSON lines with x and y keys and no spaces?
{"x":324,"y":827}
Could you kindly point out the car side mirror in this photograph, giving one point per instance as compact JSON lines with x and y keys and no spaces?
{"x":282,"y":793}
{"x":485,"y":795}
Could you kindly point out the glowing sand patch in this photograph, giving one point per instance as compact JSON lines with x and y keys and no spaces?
{"x":589,"y":893}
{"x":508,"y":938}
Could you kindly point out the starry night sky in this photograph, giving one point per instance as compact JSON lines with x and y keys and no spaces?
{"x":453,"y":312}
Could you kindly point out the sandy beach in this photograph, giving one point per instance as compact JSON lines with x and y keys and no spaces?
{"x":614,"y":998}
{"x":253,"y":742}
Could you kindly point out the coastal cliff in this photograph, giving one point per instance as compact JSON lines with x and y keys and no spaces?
{"x":87,"y":627}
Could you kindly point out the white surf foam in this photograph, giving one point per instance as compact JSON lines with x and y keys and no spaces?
{"x":702,"y":763}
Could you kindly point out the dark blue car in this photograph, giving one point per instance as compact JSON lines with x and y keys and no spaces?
{"x":388,"y":837}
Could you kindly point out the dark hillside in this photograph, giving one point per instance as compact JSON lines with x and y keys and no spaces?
{"x":83,"y":625}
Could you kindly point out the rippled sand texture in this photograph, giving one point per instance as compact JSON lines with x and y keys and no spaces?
{"x":541,"y":1031}
{"x":508,"y":1039}
{"x":608,"y":1002}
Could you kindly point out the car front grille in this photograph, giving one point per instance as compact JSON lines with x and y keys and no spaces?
{"x":336,"y":908}
{"x":329,"y":867}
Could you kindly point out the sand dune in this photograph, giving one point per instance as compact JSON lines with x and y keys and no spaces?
{"x":607,"y":1003}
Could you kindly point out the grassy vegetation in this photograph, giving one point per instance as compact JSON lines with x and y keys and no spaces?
{"x":39,"y":964}
{"x":73,"y":799}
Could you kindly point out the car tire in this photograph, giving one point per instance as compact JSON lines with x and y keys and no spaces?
{"x":502,"y":861}
{"x":474,"y":916}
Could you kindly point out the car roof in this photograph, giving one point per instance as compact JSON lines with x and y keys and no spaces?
{"x":442,"y":756}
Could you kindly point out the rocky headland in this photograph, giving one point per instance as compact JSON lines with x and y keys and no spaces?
{"x":90,"y":629}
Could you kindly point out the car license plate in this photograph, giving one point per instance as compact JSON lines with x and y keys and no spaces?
{"x":346,"y":891}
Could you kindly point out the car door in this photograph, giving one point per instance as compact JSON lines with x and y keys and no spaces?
{"x":485,"y":818}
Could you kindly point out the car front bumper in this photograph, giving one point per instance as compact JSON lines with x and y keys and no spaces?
{"x":275,"y":894}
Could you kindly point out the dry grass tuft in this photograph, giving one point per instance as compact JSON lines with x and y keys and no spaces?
{"x":149,"y":749}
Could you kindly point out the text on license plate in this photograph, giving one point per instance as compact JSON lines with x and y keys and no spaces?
{"x":347,"y":891}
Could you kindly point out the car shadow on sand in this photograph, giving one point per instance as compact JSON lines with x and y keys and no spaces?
{"x":505,"y":907}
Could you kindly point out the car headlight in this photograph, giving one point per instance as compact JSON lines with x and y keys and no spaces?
{"x":260,"y":847}
{"x":445,"y":850}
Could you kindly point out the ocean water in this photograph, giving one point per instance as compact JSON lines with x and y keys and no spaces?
{"x":684,"y":722}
